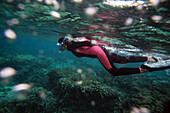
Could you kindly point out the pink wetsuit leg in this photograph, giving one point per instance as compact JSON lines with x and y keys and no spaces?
{"x":98,"y":52}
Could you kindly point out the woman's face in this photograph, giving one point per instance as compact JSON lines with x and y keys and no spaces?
{"x":64,"y":47}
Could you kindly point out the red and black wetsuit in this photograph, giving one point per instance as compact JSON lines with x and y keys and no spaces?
{"x":107,"y":58}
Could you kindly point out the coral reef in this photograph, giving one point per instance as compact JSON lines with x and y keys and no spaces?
{"x":29,"y":68}
{"x":33,"y":102}
{"x":88,"y":93}
{"x":66,"y":90}
{"x":58,"y":88}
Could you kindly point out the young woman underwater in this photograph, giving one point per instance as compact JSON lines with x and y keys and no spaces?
{"x":83,"y":47}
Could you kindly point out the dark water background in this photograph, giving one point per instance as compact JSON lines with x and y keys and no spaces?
{"x":37,"y":36}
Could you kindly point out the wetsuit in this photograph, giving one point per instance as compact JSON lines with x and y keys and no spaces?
{"x":107,"y":58}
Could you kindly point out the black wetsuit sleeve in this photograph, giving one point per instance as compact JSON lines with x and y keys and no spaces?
{"x":73,"y":45}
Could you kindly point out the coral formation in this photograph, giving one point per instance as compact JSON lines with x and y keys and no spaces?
{"x":57,"y":88}
{"x":66,"y":90}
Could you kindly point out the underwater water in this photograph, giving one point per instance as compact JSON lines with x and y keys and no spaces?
{"x":35,"y":77}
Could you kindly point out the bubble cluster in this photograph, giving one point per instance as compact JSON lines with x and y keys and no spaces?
{"x":12,"y":22}
{"x":131,"y":3}
{"x":122,"y":3}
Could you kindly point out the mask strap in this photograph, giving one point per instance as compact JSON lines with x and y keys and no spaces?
{"x":62,"y":44}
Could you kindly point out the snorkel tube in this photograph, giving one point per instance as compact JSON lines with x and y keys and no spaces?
{"x":60,"y":45}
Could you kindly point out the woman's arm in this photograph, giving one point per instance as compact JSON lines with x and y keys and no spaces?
{"x":74,"y":43}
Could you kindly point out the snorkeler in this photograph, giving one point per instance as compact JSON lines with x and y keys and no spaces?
{"x":83,"y":47}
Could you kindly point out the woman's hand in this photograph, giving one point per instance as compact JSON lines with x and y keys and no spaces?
{"x":70,"y":39}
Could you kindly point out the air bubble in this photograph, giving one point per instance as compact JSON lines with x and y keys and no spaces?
{"x":7,"y":72}
{"x":35,"y":33}
{"x":55,"y":14}
{"x":42,"y":94}
{"x":9,"y":1}
{"x":139,"y":7}
{"x":23,"y":16}
{"x":21,"y":87}
{"x":15,"y":21}
{"x":21,"y":6}
{"x":93,"y":103}
{"x":40,"y":0}
{"x":168,"y":72}
{"x":28,"y":1}
{"x":79,"y":70}
{"x":56,"y":5}
{"x":89,"y":70}
{"x":77,"y":1}
{"x":154,"y":2}
{"x":10,"y":34}
{"x":156,"y":18}
{"x":90,"y":11}
{"x":79,"y":82}
{"x":128,"y":21}
{"x":49,"y":2}
{"x":139,"y":110}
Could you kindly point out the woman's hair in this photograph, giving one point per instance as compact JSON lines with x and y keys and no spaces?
{"x":61,"y":40}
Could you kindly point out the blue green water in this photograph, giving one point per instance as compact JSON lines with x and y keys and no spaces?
{"x":56,"y":84}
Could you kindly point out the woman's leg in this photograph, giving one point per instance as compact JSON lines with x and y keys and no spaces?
{"x":128,"y":71}
{"x":129,"y":59}
{"x":123,"y":71}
